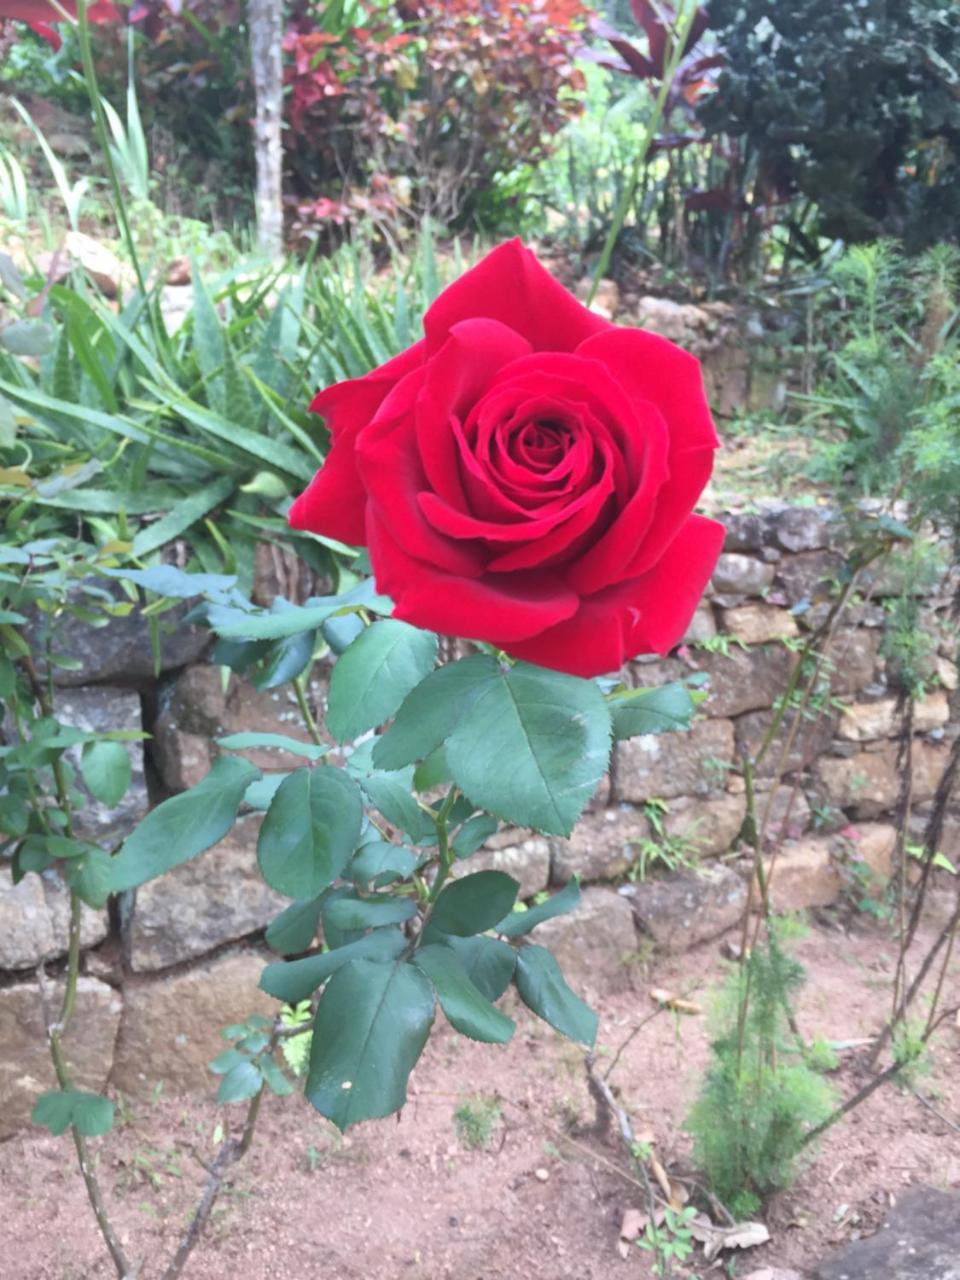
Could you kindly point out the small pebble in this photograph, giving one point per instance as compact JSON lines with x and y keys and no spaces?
{"x":541,"y":1175}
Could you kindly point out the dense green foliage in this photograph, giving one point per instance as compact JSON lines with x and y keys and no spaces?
{"x":854,"y":104}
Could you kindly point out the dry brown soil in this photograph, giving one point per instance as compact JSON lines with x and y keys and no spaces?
{"x":404,"y":1198}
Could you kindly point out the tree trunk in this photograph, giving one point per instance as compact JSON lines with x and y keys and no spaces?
{"x":265,"y":19}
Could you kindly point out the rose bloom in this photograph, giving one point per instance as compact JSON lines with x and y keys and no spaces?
{"x":525,"y":474}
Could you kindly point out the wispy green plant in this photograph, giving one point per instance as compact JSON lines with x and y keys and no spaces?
{"x":129,"y":151}
{"x":71,"y":193}
{"x":760,"y":1097}
{"x":14,"y":195}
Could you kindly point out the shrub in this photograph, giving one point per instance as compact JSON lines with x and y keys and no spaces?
{"x":760,"y":1097}
{"x":851,"y":104}
{"x":445,"y":116}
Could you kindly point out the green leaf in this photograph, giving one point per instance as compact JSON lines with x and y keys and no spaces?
{"x":167,"y":580}
{"x":183,"y":826}
{"x":465,"y":1007}
{"x":374,"y":675}
{"x":248,"y":741}
{"x":106,"y":771}
{"x":392,"y":797}
{"x":276,"y":1081}
{"x":380,"y":863}
{"x":542,"y":988}
{"x":372,"y":1023}
{"x":473,"y":833}
{"x":241,"y":1082}
{"x":519,"y":923}
{"x":92,"y":877}
{"x":183,"y":516}
{"x":662,"y":710}
{"x":430,"y":712}
{"x":474,"y":904}
{"x":295,"y":928}
{"x":531,"y":747}
{"x":296,"y":980}
{"x":58,"y":1109}
{"x":349,"y":913}
{"x":249,"y":624}
{"x":259,"y":794}
{"x":487,"y":962}
{"x":227,"y":1060}
{"x":310,"y":831}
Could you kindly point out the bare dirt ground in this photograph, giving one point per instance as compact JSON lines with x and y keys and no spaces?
{"x":405,"y":1198}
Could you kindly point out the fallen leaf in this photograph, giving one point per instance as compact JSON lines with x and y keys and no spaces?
{"x":661,"y":1176}
{"x":745,"y":1235}
{"x":632,"y":1228}
{"x":669,"y":1000}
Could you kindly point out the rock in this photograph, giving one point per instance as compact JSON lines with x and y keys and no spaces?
{"x":801,"y":874}
{"x":527,"y":860}
{"x":702,"y":626}
{"x":195,"y":709}
{"x":853,"y":658}
{"x":876,"y":843}
{"x":606,"y":300}
{"x":947,"y":673}
{"x":868,"y":720}
{"x":740,"y":575}
{"x":746,"y":531}
{"x":176,"y":303}
{"x":178,"y":272}
{"x":216,"y":898}
{"x":35,"y":920}
{"x":918,"y":1240}
{"x":708,"y":826}
{"x":746,"y":679}
{"x":594,"y":943}
{"x":789,"y":814}
{"x":812,"y":738}
{"x":104,"y":268}
{"x":25,"y":1067}
{"x":864,"y":784}
{"x":278,"y":571}
{"x":120,"y":653}
{"x":774,"y":1273}
{"x":666,"y":765}
{"x":601,"y":847}
{"x":757,"y":623}
{"x":644,"y":674}
{"x":805,"y":528}
{"x":686,"y":908}
{"x":809,"y":577}
{"x":99,"y":709}
{"x":171,"y":1023}
{"x":680,"y":322}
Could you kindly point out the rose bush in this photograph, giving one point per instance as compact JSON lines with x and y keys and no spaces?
{"x":525,"y":474}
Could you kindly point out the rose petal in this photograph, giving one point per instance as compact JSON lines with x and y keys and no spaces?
{"x":675,"y":501}
{"x":644,"y":615}
{"x":510,"y":285}
{"x":333,"y":503}
{"x":393,"y":475}
{"x":456,"y":377}
{"x":512,"y":605}
{"x":649,"y":367}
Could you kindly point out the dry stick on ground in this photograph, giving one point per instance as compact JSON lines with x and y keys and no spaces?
{"x":872,"y":1085}
{"x":931,"y":841}
{"x":607,"y":1106}
{"x":906,"y":707}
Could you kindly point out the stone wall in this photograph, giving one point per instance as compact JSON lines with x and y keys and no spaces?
{"x":181,"y":957}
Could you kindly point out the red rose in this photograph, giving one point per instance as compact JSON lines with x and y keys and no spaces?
{"x":525,"y":474}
